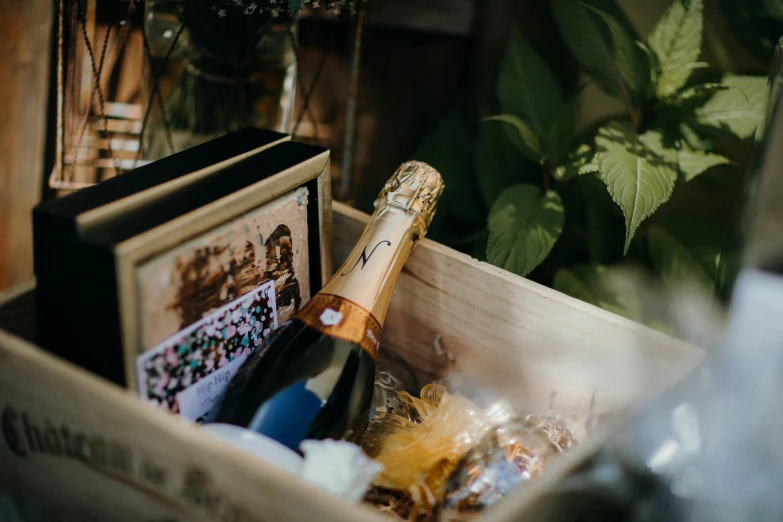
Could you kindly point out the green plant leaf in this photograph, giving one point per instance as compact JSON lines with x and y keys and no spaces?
{"x":631,"y":60}
{"x":562,"y":129}
{"x":774,"y":8}
{"x":695,"y":162}
{"x":736,"y":110}
{"x":581,"y":160}
{"x":674,"y":261}
{"x":676,"y":108}
{"x":652,"y":59}
{"x":602,"y":232}
{"x":773,"y":93}
{"x":592,"y":284}
{"x":590,"y":42}
{"x":676,"y":41}
{"x":613,"y":9}
{"x":521,"y":135}
{"x":697,"y":93}
{"x":498,"y":164}
{"x":692,"y":139}
{"x":449,"y":150}
{"x":638,"y":170}
{"x":526,"y":87}
{"x":524,"y":225}
{"x":703,"y":238}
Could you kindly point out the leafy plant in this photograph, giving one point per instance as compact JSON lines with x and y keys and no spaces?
{"x":548,"y":217}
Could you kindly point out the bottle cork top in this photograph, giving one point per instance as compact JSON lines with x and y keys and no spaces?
{"x":415,"y":186}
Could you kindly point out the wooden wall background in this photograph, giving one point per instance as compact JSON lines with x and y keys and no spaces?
{"x":403,"y":39}
{"x":25,"y":41}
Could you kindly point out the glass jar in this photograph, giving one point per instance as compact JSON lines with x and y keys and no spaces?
{"x":209,"y":75}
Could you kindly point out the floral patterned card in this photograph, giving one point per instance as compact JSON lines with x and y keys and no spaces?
{"x":189,"y":372}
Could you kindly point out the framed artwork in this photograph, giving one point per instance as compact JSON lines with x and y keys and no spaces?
{"x":179,"y":290}
{"x":205,"y":305}
{"x":57,"y":223}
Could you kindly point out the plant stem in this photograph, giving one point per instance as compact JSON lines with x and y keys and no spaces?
{"x":636,"y":117}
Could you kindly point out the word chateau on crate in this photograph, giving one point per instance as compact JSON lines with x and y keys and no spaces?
{"x":202,"y":361}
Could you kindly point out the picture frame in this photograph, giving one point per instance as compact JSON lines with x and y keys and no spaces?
{"x":57,"y":222}
{"x":128,"y":265}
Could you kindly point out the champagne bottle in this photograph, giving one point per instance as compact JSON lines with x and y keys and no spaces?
{"x":315,"y":377}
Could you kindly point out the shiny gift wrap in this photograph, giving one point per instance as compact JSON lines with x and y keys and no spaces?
{"x":446,"y":458}
{"x":508,"y":455}
{"x":422,"y":445}
{"x":420,"y":448}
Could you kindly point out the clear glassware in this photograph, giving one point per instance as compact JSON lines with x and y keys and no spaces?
{"x":205,"y":79}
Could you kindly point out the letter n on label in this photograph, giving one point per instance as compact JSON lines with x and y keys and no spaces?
{"x":364,"y":258}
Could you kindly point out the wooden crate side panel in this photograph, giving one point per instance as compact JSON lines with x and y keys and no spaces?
{"x":88,"y":450}
{"x":17,"y":310}
{"x":524,"y":338}
{"x":149,"y":466}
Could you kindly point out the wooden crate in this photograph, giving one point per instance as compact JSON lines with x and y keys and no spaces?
{"x":75,"y":447}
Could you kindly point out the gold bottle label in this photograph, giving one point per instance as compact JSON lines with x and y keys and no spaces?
{"x":353,"y":304}
{"x":340,"y":318}
{"x":403,"y":211}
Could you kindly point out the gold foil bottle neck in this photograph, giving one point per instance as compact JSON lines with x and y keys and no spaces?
{"x":414,"y":187}
{"x":403,"y":211}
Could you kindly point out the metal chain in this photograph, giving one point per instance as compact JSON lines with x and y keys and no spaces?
{"x":97,"y":70}
{"x":156,"y":90}
{"x":307,"y":93}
